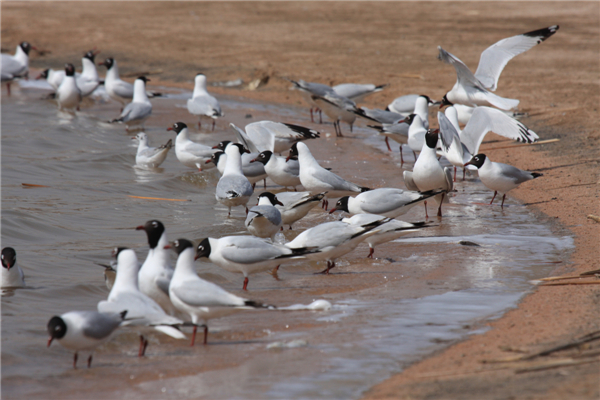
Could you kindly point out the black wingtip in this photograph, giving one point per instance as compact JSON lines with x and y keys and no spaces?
{"x":364,"y":189}
{"x":536,"y":175}
{"x":304,"y":131}
{"x":544,"y":33}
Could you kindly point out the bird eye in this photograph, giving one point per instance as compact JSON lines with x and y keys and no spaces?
{"x":154,"y":223}
{"x":201,"y":248}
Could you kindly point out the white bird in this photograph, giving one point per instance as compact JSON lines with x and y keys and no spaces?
{"x":281,"y":172}
{"x":308,"y":90}
{"x":83,"y":330}
{"x":202,"y":103}
{"x":116,"y":88}
{"x":460,"y":146}
{"x":406,"y":104}
{"x":428,"y":174}
{"x":53,"y":77}
{"x":296,"y":205}
{"x":233,"y":189}
{"x":464,"y":113}
{"x":253,"y":172}
{"x":332,"y":240}
{"x":317,"y":179}
{"x":150,"y":157}
{"x":16,"y":66}
{"x":88,"y":81}
{"x":140,"y":108}
{"x":200,"y":299}
{"x":143,"y":311}
{"x":357,"y":92}
{"x":12,"y":274}
{"x":501,"y":178}
{"x":277,"y":136}
{"x":156,"y":272}
{"x":389,"y":202}
{"x":189,"y":153}
{"x":338,"y":108}
{"x":475,"y":89}
{"x":416,"y":134}
{"x":386,"y":232}
{"x":264,"y":220}
{"x":247,"y":254}
{"x":68,"y":94}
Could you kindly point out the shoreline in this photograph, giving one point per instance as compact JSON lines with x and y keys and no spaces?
{"x":549,"y":315}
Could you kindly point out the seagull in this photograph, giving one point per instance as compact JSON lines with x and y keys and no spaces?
{"x":281,"y":172}
{"x":88,"y":81}
{"x":156,"y":272}
{"x":332,"y":240}
{"x":53,"y":77}
{"x":12,"y":274}
{"x":68,"y":94}
{"x":389,"y":202}
{"x":202,"y":103}
{"x":500,"y":177}
{"x":308,"y":90}
{"x":83,"y":330}
{"x":406,"y":104}
{"x":251,"y":171}
{"x":357,"y":92}
{"x":465,"y":113}
{"x":116,"y":88}
{"x":247,"y":254}
{"x":459,"y":146}
{"x":276,"y":136}
{"x":475,"y":89}
{"x":388,"y":231}
{"x":142,"y":310}
{"x":233,"y":188}
{"x":397,"y":131}
{"x":200,"y":299}
{"x":16,"y":66}
{"x":338,"y":108}
{"x":428,"y":174}
{"x":317,"y":179}
{"x":264,"y":220}
{"x":150,"y":157}
{"x":296,"y":205}
{"x":416,"y":134}
{"x":140,"y":108}
{"x":254,"y":172}
{"x":189,"y":153}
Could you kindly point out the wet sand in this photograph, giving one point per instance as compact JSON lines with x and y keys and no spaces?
{"x":394,"y":43}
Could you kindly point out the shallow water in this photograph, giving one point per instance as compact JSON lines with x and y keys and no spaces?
{"x":421,"y":294}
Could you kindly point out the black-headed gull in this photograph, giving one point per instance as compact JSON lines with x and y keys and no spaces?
{"x":233,"y":189}
{"x":264,"y":220}
{"x":501,"y":178}
{"x":200,"y":299}
{"x":68,"y":94}
{"x":386,"y":232}
{"x":12,"y":274}
{"x":88,"y":81}
{"x":156,"y":272}
{"x":475,"y":89}
{"x":317,"y":179}
{"x":83,"y":330}
{"x":428,"y":173}
{"x":332,"y":240}
{"x":308,"y":90}
{"x":188,"y":152}
{"x":16,"y":66}
{"x":140,"y":108}
{"x":202,"y":103}
{"x":338,"y":108}
{"x":150,"y":157}
{"x":296,"y":205}
{"x":459,"y":146}
{"x":143,"y":311}
{"x":116,"y":88}
{"x":357,"y":92}
{"x":254,"y":172}
{"x":281,"y":172}
{"x":277,"y":136}
{"x":389,"y":202}
{"x":247,"y":254}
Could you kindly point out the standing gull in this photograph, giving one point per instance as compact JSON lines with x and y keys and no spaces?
{"x":202,"y":103}
{"x":140,"y":108}
{"x":233,"y":188}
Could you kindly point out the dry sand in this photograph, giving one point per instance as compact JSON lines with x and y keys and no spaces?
{"x":395,"y":43}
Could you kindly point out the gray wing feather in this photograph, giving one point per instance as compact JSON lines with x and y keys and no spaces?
{"x":205,"y":294}
{"x":231,"y":186}
{"x":250,"y":250}
{"x":244,"y":139}
{"x":515,"y":174}
{"x":409,"y":182}
{"x":335,"y":182}
{"x":464,"y":76}
{"x":381,"y":201}
{"x":447,"y":132}
{"x":269,"y":212}
{"x":123,"y":89}
{"x":100,"y":325}
{"x":204,"y":105}
{"x":135,"y":111}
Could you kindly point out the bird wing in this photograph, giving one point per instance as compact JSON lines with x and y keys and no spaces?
{"x":232,"y":186}
{"x":249,"y":250}
{"x":134,"y":111}
{"x":244,"y":139}
{"x":485,"y":119}
{"x":100,"y":325}
{"x":448,"y":132}
{"x":464,"y":76}
{"x":381,"y":201}
{"x":123,"y":89}
{"x":262,"y":137}
{"x":494,"y":58}
{"x":204,"y":105}
{"x":409,"y":182}
{"x":200,"y":293}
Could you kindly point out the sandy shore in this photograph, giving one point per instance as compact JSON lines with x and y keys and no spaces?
{"x":395,"y":43}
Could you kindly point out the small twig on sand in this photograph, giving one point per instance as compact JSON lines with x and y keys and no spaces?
{"x":581,"y":275}
{"x":523,"y":145}
{"x":594,"y":217}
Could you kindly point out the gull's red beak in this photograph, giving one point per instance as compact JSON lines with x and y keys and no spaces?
{"x":332,"y":210}
{"x":50,"y":339}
